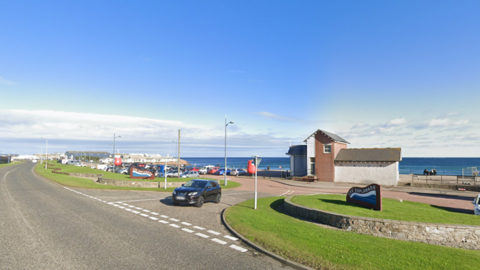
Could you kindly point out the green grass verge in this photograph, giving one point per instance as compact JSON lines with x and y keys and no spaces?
{"x":318,"y":247}
{"x":10,"y":164}
{"x":391,"y":209}
{"x":87,"y":183}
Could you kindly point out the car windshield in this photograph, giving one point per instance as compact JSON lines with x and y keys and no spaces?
{"x":196,"y":184}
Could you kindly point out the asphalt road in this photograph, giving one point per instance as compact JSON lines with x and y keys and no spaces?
{"x":44,"y":225}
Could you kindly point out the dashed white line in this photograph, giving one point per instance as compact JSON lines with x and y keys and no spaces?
{"x":199,"y":228}
{"x":153,"y":218}
{"x":163,"y":221}
{"x":174,"y":219}
{"x":154,"y":213}
{"x":175,"y":225}
{"x":230,"y":237}
{"x":145,"y":210}
{"x":239,"y":248}
{"x":186,"y":223}
{"x":164,"y":216}
{"x":121,"y":207}
{"x":135,"y":212}
{"x":219,"y":241}
{"x":187,"y":230}
{"x":213,"y":232}
{"x":128,"y":209}
{"x":202,"y":235}
{"x":138,"y":208}
{"x":144,"y":215}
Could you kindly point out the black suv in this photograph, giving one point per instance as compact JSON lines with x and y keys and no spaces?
{"x":197,"y":191}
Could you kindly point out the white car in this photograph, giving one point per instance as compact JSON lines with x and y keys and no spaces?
{"x":204,"y":170}
{"x":476,"y":205}
{"x":189,"y":174}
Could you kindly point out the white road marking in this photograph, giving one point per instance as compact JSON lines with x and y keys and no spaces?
{"x":144,"y":215}
{"x":128,"y":209}
{"x":174,"y":219}
{"x":121,"y":207}
{"x":202,"y":235}
{"x":145,"y":210}
{"x":213,"y":232}
{"x":164,"y":216}
{"x":163,"y":221}
{"x":186,"y":223}
{"x":175,"y":225}
{"x":187,"y":230}
{"x":239,"y":248}
{"x":154,"y":213}
{"x":230,"y":237}
{"x":138,"y":208}
{"x":219,"y":241}
{"x":198,"y":228}
{"x":153,"y":218}
{"x":142,"y":200}
{"x":136,"y":212}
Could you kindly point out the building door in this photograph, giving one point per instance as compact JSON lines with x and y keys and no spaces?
{"x":312,"y":166}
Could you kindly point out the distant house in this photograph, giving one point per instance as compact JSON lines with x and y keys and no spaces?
{"x":325,"y":156}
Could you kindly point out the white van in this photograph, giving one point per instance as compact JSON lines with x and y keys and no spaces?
{"x":64,"y":161}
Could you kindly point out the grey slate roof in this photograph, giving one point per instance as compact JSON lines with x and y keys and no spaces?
{"x":297,"y":150}
{"x":370,"y":155}
{"x":332,"y":136}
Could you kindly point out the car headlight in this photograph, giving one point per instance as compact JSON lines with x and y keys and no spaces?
{"x":193,"y":193}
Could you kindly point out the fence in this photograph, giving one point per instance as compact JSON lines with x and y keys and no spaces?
{"x":446,"y":180}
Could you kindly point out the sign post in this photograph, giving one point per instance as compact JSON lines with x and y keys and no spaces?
{"x":165,"y":173}
{"x":256,"y":163}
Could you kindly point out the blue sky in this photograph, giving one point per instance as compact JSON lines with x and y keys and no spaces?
{"x":378,"y":73}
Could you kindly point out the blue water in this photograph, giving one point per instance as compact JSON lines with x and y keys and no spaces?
{"x":237,"y":162}
{"x":444,"y":166}
{"x":372,"y":199}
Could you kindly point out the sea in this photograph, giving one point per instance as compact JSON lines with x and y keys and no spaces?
{"x":408,"y":165}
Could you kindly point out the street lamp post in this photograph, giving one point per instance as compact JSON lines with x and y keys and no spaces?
{"x":46,"y":153}
{"x":113,"y":155}
{"x":225,"y":171}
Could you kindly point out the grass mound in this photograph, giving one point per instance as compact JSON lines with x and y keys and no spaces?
{"x":323,"y":248}
{"x":392,"y":209}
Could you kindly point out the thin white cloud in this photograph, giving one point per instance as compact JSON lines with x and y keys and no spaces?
{"x":6,"y":82}
{"x":272,"y":116}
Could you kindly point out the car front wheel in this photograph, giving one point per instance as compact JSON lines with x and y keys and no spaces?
{"x":217,"y":198}
{"x":200,"y":201}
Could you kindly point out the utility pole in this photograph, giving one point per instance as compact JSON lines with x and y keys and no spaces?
{"x":178,"y":158}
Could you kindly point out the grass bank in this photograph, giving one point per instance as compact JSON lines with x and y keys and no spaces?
{"x":391,"y":209}
{"x":86,"y":183}
{"x":323,"y":248}
{"x":8,"y":164}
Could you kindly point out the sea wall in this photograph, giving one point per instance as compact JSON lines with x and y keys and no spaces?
{"x":452,"y":187}
{"x":459,"y":236}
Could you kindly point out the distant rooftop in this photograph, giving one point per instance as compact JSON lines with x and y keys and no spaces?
{"x":332,"y":136}
{"x":370,"y":155}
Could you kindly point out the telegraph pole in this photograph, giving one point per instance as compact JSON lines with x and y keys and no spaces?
{"x":178,"y":158}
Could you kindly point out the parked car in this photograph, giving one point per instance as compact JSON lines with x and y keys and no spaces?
{"x":476,"y":205}
{"x":124,"y":171}
{"x":213,"y":170}
{"x":238,"y":172}
{"x":172,"y":173}
{"x":189,"y":174}
{"x":222,"y":171}
{"x":197,"y":192}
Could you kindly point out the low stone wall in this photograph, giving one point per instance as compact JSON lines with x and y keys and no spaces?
{"x":452,"y":187}
{"x":459,"y":236}
{"x":90,"y":176}
{"x":143,"y":184}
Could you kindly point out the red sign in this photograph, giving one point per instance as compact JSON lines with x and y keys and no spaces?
{"x":250,"y":167}
{"x":118,"y":161}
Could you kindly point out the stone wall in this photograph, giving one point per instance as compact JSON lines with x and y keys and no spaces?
{"x":460,"y":236}
{"x":453,"y":187}
{"x":91,"y":176}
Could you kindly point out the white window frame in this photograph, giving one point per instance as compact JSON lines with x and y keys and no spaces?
{"x":325,"y":146}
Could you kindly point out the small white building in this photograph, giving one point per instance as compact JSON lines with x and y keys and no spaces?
{"x":326,"y":157}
